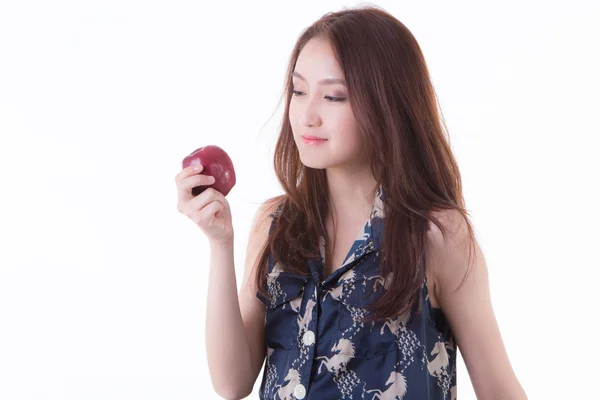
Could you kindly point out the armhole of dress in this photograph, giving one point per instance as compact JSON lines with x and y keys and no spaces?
{"x":273,"y":216}
{"x":270,"y":259}
{"x":436,"y":315}
{"x":431,"y":311}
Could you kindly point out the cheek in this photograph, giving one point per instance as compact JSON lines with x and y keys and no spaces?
{"x":347,"y":145}
{"x":348,"y":141}
{"x":346,"y":131}
{"x":295,"y":125}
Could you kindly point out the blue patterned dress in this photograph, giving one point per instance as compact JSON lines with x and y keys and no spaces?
{"x":317,"y":348}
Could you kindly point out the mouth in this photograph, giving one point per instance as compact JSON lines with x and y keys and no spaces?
{"x":312,"y":137}
{"x":313,"y":140}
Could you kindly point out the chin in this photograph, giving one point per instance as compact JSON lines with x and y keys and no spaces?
{"x":315,"y":166}
{"x":314,"y":162}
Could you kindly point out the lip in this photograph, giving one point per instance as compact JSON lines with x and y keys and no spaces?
{"x":312,"y":137}
{"x":309,"y":140}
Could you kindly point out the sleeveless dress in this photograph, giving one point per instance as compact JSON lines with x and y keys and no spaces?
{"x":318,"y":349}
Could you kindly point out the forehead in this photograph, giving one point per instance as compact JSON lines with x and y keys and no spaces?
{"x":317,"y":60}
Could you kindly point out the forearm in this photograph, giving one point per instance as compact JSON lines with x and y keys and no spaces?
{"x":227,"y":348}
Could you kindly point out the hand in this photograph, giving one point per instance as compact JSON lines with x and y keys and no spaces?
{"x":209,"y":210}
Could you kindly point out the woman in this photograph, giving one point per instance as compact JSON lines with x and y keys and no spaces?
{"x":366,"y":276}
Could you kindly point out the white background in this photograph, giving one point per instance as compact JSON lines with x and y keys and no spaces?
{"x":103,"y":282}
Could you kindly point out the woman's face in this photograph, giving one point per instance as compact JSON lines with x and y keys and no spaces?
{"x":322,"y":109}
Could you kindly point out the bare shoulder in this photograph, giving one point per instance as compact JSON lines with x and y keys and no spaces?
{"x":452,"y":221}
{"x":256,"y":239}
{"x":265,"y":210}
{"x":440,"y":249}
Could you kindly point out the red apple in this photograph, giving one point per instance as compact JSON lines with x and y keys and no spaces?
{"x":216,"y":163}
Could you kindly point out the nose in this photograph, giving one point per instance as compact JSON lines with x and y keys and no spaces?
{"x":309,"y":114}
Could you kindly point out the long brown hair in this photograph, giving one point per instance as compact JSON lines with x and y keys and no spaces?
{"x":395,"y":106}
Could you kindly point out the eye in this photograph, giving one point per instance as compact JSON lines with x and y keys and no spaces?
{"x":335,"y":99}
{"x":330,"y":98}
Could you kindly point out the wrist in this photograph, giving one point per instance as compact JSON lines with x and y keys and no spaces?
{"x":221,"y":243}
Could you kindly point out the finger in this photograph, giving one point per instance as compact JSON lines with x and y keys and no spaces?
{"x":188,"y":171}
{"x":221,"y":208}
{"x":196,"y":180}
{"x":208,"y":214}
{"x":199,"y":202}
{"x":184,"y":188}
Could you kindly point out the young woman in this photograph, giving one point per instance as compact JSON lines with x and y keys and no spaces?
{"x":364,"y":277}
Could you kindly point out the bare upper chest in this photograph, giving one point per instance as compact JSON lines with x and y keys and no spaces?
{"x":336,"y":250}
{"x":339,"y":242}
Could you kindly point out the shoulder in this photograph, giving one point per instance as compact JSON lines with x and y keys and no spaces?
{"x":257,"y":238}
{"x":451,"y":220}
{"x":266,"y":211}
{"x":448,"y":256}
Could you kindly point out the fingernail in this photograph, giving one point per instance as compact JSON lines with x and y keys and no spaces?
{"x":196,"y":167}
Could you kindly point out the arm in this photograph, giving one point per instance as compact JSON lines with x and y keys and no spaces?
{"x":469,"y":310}
{"x":235,"y":324}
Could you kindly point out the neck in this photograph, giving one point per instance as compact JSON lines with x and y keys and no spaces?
{"x":351,"y":195}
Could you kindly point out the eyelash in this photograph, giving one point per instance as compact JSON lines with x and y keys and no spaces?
{"x":333,"y":99}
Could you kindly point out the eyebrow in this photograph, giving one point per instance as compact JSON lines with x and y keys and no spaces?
{"x":326,"y":81}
